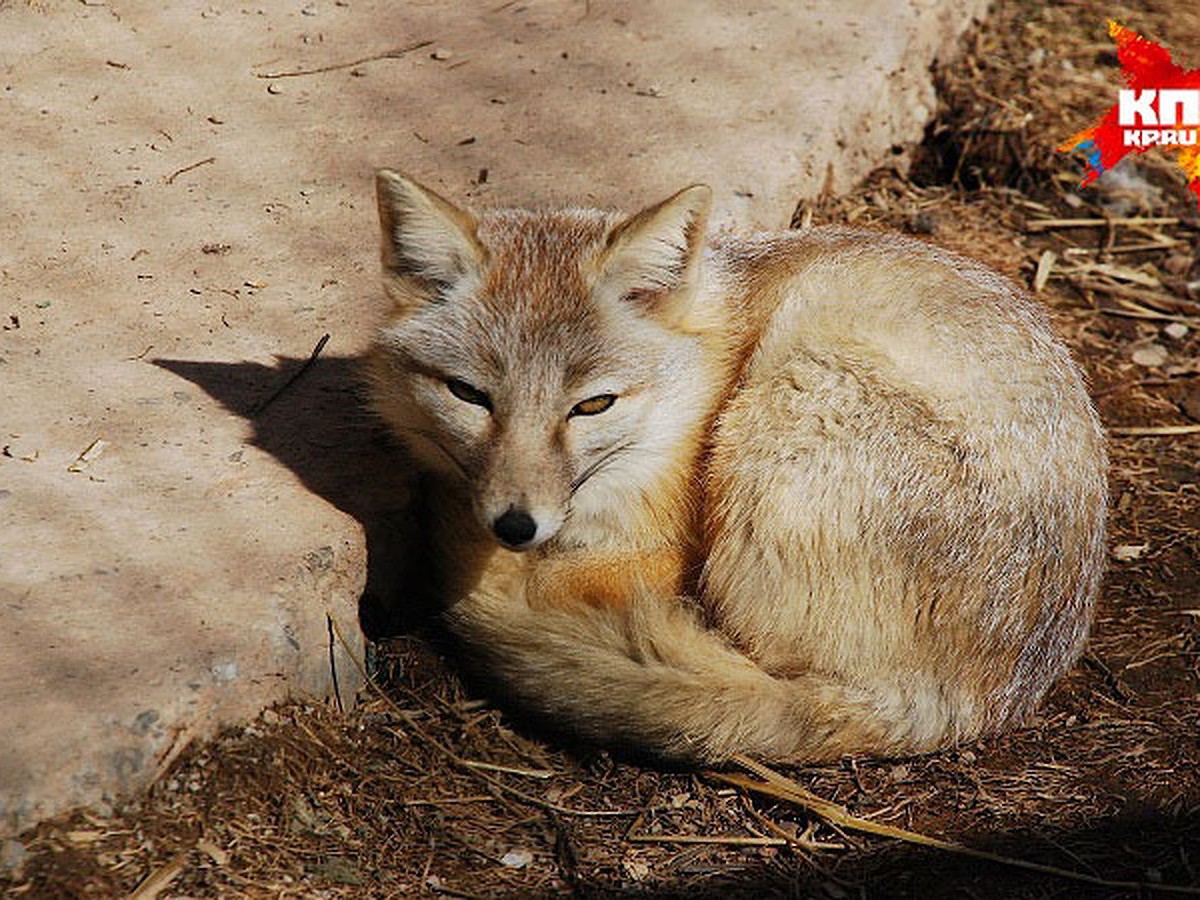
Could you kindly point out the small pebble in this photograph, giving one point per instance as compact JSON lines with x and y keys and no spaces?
{"x":636,"y":869}
{"x":516,"y":859}
{"x":1150,"y":356}
{"x":1129,"y":552}
{"x":923,"y":222}
{"x":1176,"y":330}
{"x":441,"y":53}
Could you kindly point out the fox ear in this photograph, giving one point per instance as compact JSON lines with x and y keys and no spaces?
{"x":651,"y":258}
{"x":428,"y":242}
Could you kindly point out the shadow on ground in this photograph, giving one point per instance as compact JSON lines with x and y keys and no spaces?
{"x":311,"y":415}
{"x":1124,"y":857}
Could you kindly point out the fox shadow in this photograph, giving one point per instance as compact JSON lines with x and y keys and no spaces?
{"x":312,"y":416}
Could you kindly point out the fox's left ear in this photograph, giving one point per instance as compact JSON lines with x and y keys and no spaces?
{"x":428,"y":242}
{"x":651,"y":259}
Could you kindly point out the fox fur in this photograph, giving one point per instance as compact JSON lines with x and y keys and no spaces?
{"x":796,"y":495}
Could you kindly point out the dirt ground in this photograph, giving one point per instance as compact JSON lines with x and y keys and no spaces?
{"x":425,"y":789}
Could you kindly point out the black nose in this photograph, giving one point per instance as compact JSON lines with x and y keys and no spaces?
{"x":515,"y":527}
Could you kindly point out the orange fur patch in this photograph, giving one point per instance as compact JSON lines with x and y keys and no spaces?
{"x":606,"y":580}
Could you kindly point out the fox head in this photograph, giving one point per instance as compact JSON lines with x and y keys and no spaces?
{"x":551,"y":362}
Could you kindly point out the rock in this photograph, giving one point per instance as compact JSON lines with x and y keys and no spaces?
{"x":1150,"y":355}
{"x":1129,"y":552}
{"x":516,"y":859}
{"x":636,"y":869}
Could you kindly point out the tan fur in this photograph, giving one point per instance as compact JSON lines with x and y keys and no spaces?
{"x":850,"y":497}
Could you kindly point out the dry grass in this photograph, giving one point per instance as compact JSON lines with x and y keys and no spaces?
{"x":430,"y":791}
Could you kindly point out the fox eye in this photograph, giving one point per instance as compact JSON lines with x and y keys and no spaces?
{"x":592,"y":405}
{"x":468,"y":394}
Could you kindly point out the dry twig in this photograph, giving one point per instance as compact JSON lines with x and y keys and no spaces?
{"x":294,"y":377}
{"x":387,"y":54}
{"x":779,"y":786}
{"x":170,"y":179}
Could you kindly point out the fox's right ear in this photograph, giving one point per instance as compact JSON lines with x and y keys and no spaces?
{"x":651,"y":259}
{"x":429,"y":243}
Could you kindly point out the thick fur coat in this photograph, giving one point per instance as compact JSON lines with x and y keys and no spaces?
{"x":796,"y":495}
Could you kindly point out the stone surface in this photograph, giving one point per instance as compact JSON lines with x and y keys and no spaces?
{"x":179,"y":230}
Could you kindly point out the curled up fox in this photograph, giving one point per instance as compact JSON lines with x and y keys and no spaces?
{"x":794,"y":495}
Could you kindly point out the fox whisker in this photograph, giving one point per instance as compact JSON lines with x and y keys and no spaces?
{"x":600,"y":464}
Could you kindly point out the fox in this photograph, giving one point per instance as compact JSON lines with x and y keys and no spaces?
{"x":796,"y":495}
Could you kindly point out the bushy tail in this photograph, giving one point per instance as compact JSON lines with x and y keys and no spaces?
{"x":649,"y":678}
